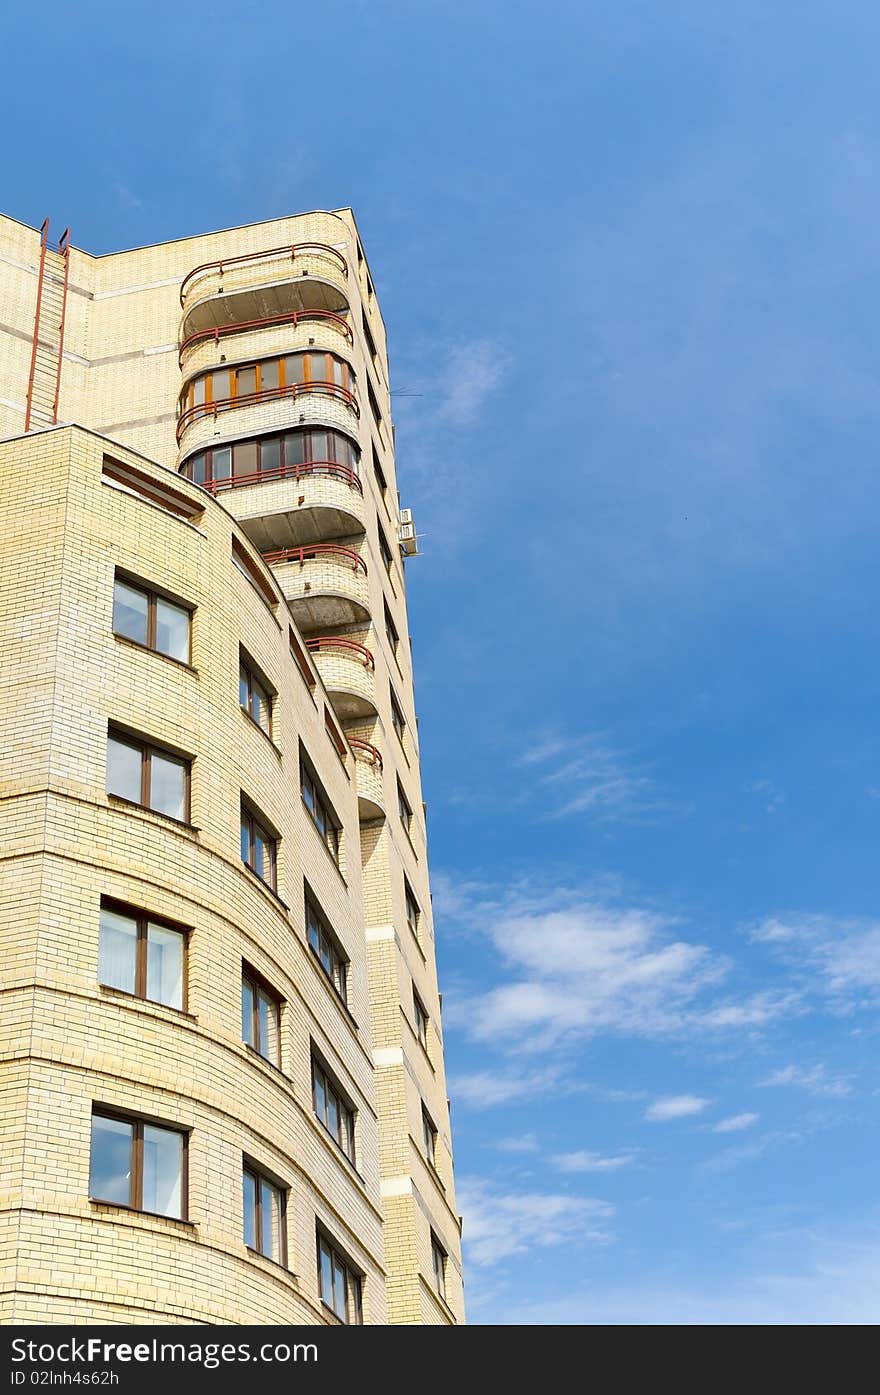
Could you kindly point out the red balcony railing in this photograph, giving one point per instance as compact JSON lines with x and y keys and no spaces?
{"x":310,"y":551}
{"x":293,"y":317}
{"x":298,"y":249}
{"x":287,"y":472}
{"x":365,"y":752}
{"x":250,"y":399}
{"x":349,"y":646}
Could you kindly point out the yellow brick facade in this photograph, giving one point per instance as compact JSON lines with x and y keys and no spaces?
{"x":104,"y":492}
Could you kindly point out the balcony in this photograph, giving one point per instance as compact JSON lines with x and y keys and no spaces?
{"x":203,"y":341}
{"x":294,"y":505}
{"x":262,"y":285}
{"x":348,"y":672}
{"x":270,"y":407}
{"x":325,"y":584}
{"x":368,"y":778}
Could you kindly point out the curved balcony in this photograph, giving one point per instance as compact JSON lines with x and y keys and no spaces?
{"x":325,"y":584}
{"x":211,"y":410}
{"x":368,"y":778}
{"x":260,"y":285}
{"x":293,"y":319}
{"x":295,"y":504}
{"x":348,"y":672}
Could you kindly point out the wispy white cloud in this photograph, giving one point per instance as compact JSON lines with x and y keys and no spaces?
{"x":773,"y":798}
{"x":814,"y":1079}
{"x":518,"y":1143}
{"x":585,"y":1161}
{"x":484,"y":1089}
{"x":736,"y":1123}
{"x":839,"y":957}
{"x":467,"y":378}
{"x":675,"y":1107}
{"x":498,"y":1224}
{"x":586,"y":774}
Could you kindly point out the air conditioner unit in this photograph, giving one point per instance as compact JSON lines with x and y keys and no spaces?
{"x":406,"y":516}
{"x":408,"y":540}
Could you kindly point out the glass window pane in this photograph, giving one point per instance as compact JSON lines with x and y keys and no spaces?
{"x":269,"y":374}
{"x":117,"y":950}
{"x":270,"y":1203}
{"x":326,"y":1274}
{"x":165,"y":965}
{"x":295,"y":448}
{"x":320,"y":1097}
{"x":266,"y":1015}
{"x":221,"y":462}
{"x":318,"y":368}
{"x":245,"y":840}
{"x":262,"y":862}
{"x":340,"y":1295}
{"x":333,"y":1115}
{"x":314,"y":936}
{"x":168,"y":786}
{"x":261,"y":706}
{"x":247,"y":1011}
{"x":270,"y":453}
{"x":130,"y":612}
{"x":319,"y":445}
{"x":249,"y":1206}
{"x":172,"y":630}
{"x":198,"y":392}
{"x":220,"y":385}
{"x":243,"y":685}
{"x":110,"y":1171}
{"x":163,"y":1171}
{"x":245,"y":381}
{"x":123,"y":769}
{"x":293,"y":369}
{"x":245,"y":458}
{"x":195,"y":469}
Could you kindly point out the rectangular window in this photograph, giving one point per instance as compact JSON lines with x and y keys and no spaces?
{"x":384,"y":550}
{"x":246,"y":564}
{"x":438,"y":1260}
{"x":259,"y":848}
{"x":429,"y":1133}
{"x":254,"y":696}
{"x":421,"y":1019}
{"x":397,"y":718}
{"x":138,"y":1164}
{"x":374,"y":406}
{"x":147,"y":775}
{"x":141,"y":956}
{"x":403,"y":808}
{"x":391,"y":630}
{"x":338,"y":1282}
{"x":298,"y":654}
{"x":332,"y":1107}
{"x":327,"y":950}
{"x":413,"y":914}
{"x":335,"y":735}
{"x":260,"y":1016}
{"x":149,"y":619}
{"x":154,"y":491}
{"x":265,"y":1208}
{"x":319,"y":807}
{"x":368,"y":338}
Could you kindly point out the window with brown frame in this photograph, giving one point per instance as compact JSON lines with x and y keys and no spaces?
{"x":137,"y":1163}
{"x":264,"y":1206}
{"x":142,"y":955}
{"x":421,"y":1019}
{"x":326,"y":948}
{"x":254,"y":573}
{"x":374,"y":405}
{"x":438,"y":1262}
{"x":267,"y":377}
{"x":332,"y":1106}
{"x":397,"y":718}
{"x":254,"y":694}
{"x":303,"y":450}
{"x":405,"y":811}
{"x":319,"y":806}
{"x":429,"y":1133}
{"x":391,"y":630}
{"x":260,"y":1015}
{"x":259,"y":846}
{"x":146,"y":617}
{"x":413,"y":914}
{"x":368,"y":339}
{"x":339,"y":1283}
{"x":154,"y":491}
{"x":379,"y":473}
{"x":384,"y":549}
{"x":335,"y":735}
{"x":149,"y":775}
{"x":298,"y":654}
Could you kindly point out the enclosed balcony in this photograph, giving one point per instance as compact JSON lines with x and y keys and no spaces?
{"x":261,"y":285}
{"x":348,"y":672}
{"x":325,"y":584}
{"x":368,"y":776}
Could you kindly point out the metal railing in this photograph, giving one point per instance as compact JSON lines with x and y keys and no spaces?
{"x":293,"y":317}
{"x":365,"y":752}
{"x":310,"y":551}
{"x":250,"y":399}
{"x":296,"y":249}
{"x":286,"y":472}
{"x":350,"y":646}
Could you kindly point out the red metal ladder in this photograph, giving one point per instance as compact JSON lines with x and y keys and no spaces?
{"x":50,"y":314}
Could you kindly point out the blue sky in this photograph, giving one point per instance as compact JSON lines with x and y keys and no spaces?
{"x":628,"y":258}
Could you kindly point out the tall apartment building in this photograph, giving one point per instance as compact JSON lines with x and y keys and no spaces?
{"x":222,"y":1094}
